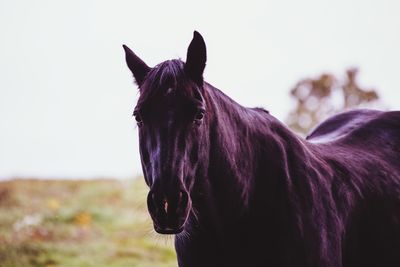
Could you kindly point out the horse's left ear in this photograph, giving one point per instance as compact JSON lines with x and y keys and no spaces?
{"x":196,"y":58}
{"x":138,"y":68}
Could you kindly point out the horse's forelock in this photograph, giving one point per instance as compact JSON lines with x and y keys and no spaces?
{"x":162,"y":78}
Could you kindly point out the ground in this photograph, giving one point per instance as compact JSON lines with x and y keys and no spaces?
{"x":95,"y":223}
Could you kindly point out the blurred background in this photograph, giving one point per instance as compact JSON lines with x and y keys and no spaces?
{"x":71,"y":192}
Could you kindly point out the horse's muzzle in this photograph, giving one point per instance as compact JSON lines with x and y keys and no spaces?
{"x":169,"y":211}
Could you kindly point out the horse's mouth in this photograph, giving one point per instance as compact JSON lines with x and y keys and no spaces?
{"x":169,"y":215}
{"x":168,"y":230}
{"x":172,"y":226}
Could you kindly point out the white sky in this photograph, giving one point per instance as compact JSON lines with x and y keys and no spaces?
{"x":66,"y":96}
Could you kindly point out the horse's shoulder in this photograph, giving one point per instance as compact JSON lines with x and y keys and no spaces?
{"x":344,"y":124}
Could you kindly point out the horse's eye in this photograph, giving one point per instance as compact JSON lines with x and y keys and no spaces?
{"x":138,"y":119}
{"x":199,"y":116}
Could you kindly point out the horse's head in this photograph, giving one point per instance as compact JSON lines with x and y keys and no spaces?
{"x":171,"y":118}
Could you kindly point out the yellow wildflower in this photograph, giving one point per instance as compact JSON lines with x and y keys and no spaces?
{"x":83,"y":219}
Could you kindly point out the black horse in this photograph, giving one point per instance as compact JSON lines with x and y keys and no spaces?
{"x":238,"y":188}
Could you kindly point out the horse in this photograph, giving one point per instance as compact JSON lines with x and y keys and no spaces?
{"x":236,"y":187}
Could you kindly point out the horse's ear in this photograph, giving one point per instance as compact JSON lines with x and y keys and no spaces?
{"x":196,"y":58}
{"x":138,"y":68}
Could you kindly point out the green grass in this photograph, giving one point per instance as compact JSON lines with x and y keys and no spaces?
{"x":79,"y":224}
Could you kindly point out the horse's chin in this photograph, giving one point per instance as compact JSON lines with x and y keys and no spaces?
{"x":168,"y":231}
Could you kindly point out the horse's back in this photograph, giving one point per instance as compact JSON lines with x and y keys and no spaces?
{"x":358,"y":126}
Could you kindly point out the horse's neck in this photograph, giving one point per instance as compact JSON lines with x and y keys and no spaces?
{"x":252,"y":155}
{"x":237,"y":136}
{"x":230,"y":133}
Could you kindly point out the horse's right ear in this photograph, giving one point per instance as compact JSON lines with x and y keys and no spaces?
{"x":138,"y":68}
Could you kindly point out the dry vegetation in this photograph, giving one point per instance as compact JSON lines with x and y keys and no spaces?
{"x":320,"y":97}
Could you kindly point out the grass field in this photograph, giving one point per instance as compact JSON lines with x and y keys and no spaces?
{"x":79,"y":223}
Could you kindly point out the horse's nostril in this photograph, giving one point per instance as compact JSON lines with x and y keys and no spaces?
{"x":152,"y":201}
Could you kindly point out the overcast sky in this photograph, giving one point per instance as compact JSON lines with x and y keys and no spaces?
{"x":66,"y":96}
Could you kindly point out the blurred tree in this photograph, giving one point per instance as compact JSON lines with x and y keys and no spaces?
{"x":319,"y":98}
